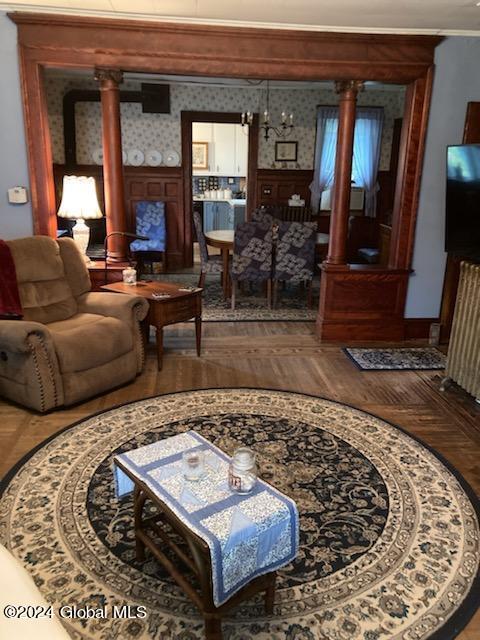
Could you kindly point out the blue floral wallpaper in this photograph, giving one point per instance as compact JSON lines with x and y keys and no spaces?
{"x":146,"y":131}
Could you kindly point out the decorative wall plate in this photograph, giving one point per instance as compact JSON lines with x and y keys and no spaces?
{"x":97,"y":155}
{"x":153,"y":158}
{"x":135,"y":157}
{"x":172,"y":158}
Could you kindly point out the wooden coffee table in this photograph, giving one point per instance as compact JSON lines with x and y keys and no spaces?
{"x":179,"y":306}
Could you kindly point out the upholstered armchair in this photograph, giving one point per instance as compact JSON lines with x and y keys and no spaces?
{"x":72,"y":343}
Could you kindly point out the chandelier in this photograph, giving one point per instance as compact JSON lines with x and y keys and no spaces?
{"x":282,"y":131}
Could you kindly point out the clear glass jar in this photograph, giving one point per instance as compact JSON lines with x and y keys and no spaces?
{"x":242,"y":473}
{"x":129,"y":275}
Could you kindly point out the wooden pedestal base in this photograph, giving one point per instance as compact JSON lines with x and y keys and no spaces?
{"x":361,"y":302}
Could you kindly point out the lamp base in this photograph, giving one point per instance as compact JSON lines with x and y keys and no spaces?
{"x":81,"y":236}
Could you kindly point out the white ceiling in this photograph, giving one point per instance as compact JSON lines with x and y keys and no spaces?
{"x":446,"y":17}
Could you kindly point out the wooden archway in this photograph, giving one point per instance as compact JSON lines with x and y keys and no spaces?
{"x":356,"y":302}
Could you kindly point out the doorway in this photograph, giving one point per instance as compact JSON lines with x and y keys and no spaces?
{"x":216,"y":174}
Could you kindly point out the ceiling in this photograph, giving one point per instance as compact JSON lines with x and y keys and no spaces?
{"x":444,"y":17}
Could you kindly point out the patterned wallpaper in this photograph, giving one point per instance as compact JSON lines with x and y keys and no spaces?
{"x":147,"y":131}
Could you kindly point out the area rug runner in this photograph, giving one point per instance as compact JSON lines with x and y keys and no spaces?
{"x":402,"y":359}
{"x":389,"y":531}
{"x":251,"y":305}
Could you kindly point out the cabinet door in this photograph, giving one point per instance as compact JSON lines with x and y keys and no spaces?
{"x":224,"y":149}
{"x":208,"y":216}
{"x":241,"y":150}
{"x":222,"y":216}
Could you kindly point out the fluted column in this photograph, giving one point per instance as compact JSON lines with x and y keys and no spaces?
{"x":109,"y":80}
{"x":337,"y":246}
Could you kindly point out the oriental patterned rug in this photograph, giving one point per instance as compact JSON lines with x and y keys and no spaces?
{"x":389,"y":531}
{"x":251,"y":303}
{"x":402,"y":359}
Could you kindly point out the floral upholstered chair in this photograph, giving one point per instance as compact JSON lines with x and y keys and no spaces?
{"x":150,"y":217}
{"x":210,"y":264}
{"x":295,"y":255}
{"x":252,"y":256}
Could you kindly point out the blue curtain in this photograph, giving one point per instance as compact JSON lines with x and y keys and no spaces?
{"x":366,"y":153}
{"x":367,"y":144}
{"x":327,"y":127}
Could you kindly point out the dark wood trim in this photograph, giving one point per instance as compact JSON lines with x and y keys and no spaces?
{"x":471,"y":135}
{"x":70,"y":42}
{"x":410,"y":162}
{"x":359,"y":302}
{"x":277,"y":181}
{"x":187,"y":119}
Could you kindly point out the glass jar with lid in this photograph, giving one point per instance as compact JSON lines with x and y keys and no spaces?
{"x":242,"y":473}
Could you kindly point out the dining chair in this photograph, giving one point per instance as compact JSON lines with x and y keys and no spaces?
{"x":209,"y":264}
{"x":295,"y":255}
{"x":150,"y":222}
{"x":252,"y":256}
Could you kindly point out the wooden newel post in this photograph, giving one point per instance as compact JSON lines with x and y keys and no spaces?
{"x":337,"y":247}
{"x":109,"y":80}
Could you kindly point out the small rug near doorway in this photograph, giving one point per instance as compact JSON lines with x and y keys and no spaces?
{"x":389,"y":531}
{"x":402,"y":359}
{"x":251,"y":305}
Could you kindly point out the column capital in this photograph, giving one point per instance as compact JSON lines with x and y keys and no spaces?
{"x":108,"y":76}
{"x":353,"y":86}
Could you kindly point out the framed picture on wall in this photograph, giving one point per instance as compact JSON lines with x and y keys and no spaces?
{"x":286,"y":151}
{"x":200,"y":155}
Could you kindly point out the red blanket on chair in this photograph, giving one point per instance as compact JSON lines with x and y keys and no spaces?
{"x":10,"y":306}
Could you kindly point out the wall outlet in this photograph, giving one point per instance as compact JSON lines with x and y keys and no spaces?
{"x":17,"y":195}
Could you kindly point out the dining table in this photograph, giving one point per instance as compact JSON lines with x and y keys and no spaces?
{"x":223,"y":239}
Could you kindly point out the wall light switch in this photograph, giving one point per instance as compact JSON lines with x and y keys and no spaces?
{"x":17,"y":195}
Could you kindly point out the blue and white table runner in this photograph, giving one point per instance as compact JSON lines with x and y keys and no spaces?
{"x":248,"y":535}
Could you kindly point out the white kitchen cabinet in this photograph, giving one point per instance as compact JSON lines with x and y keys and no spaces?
{"x":223,"y":149}
{"x":241,"y":150}
{"x":227,"y":148}
{"x":202,"y":131}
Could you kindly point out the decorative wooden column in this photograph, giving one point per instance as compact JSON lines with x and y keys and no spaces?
{"x":337,"y":246}
{"x":109,"y":80}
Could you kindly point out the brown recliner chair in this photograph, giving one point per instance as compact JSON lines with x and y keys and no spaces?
{"x":72,"y":343}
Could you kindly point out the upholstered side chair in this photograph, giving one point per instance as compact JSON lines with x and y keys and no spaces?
{"x":252,"y":256}
{"x":295,"y":255}
{"x":72,"y":343}
{"x":150,"y":222}
{"x":209,"y":264}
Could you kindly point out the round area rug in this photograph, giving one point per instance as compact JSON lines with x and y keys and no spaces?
{"x":389,"y":534}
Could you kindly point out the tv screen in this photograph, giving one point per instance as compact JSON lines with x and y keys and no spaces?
{"x":462,"y":235}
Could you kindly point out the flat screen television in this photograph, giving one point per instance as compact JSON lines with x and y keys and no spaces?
{"x":462,"y":233}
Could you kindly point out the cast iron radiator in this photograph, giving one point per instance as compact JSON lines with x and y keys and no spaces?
{"x":463,"y":358}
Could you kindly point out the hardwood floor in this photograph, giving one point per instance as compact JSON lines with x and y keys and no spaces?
{"x":279,"y":356}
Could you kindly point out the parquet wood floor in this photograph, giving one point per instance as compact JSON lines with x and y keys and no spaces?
{"x":279,"y":356}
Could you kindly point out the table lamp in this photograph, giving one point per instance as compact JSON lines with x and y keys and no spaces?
{"x":79,"y":201}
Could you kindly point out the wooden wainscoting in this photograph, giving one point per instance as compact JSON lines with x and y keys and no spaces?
{"x":143,"y":183}
{"x":165,"y":184}
{"x":362,"y":302}
{"x":276,"y":186}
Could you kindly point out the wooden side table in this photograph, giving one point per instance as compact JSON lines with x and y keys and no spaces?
{"x":179,"y":306}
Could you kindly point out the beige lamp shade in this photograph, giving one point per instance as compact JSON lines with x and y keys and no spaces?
{"x":79,"y":199}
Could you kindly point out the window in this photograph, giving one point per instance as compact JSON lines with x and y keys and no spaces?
{"x":366,"y":153}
